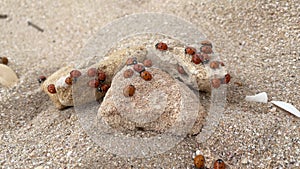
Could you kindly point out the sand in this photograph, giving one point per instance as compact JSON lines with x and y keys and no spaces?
{"x":259,"y":43}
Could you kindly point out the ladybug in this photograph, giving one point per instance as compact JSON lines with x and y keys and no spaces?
{"x":205,"y":57}
{"x":92,"y":72}
{"x":4,"y":60}
{"x":196,"y":59}
{"x":227,"y":78}
{"x":103,"y":88}
{"x":51,"y":88}
{"x":69,"y":81}
{"x":215,"y":83}
{"x":42,"y":79}
{"x":75,"y":74}
{"x":129,"y":91}
{"x":139,"y":68}
{"x":161,"y":46}
{"x":146,"y":75}
{"x":190,"y":50}
{"x":180,"y":70}
{"x":199,"y":162}
{"x":93,"y":83}
{"x":219,"y":164}
{"x":147,"y":63}
{"x":214,"y":64}
{"x":101,"y":76}
{"x":131,"y":61}
{"x":206,"y":43}
{"x":128,"y":73}
{"x":206,"y":49}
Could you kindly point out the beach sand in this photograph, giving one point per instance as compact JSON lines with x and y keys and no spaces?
{"x":258,"y":41}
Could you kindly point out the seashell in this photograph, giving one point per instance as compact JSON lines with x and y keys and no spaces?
{"x":260,"y":97}
{"x":8,"y":77}
{"x":287,"y":107}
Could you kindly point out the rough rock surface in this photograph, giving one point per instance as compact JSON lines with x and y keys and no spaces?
{"x":154,"y":106}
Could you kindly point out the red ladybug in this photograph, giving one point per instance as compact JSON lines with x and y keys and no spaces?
{"x":131,"y":61}
{"x":92,"y":72}
{"x":219,"y":164}
{"x":206,"y":43}
{"x":190,"y":50}
{"x":75,"y":73}
{"x":93,"y":83}
{"x":101,"y":75}
{"x":139,"y":68}
{"x":42,"y":79}
{"x":196,"y":59}
{"x":51,"y":88}
{"x":128,"y":73}
{"x":216,"y":83}
{"x":103,"y":88}
{"x":206,"y":49}
{"x":227,"y":78}
{"x":161,"y":46}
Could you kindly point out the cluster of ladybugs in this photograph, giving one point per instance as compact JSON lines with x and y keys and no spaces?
{"x":129,"y":90}
{"x":199,"y":162}
{"x":97,"y":81}
{"x":201,"y":57}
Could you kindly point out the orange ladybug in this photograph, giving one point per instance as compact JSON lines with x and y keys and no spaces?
{"x":214,"y":64}
{"x":129,"y":91}
{"x":146,"y":75}
{"x":75,"y":73}
{"x":199,"y":162}
{"x":206,"y":49}
{"x":69,"y":81}
{"x":190,"y":50}
{"x":196,"y":59}
{"x":219,"y":164}
{"x":161,"y":46}
{"x":51,"y":88}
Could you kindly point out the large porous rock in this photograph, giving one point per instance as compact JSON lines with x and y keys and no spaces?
{"x":155,"y":106}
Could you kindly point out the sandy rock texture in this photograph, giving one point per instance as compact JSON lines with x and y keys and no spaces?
{"x":258,"y":42}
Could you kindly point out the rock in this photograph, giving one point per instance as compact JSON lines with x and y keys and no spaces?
{"x":63,"y":92}
{"x":154,"y":107}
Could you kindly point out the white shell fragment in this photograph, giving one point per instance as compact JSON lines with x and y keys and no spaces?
{"x":8,"y":77}
{"x":287,"y":107}
{"x":260,"y":97}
